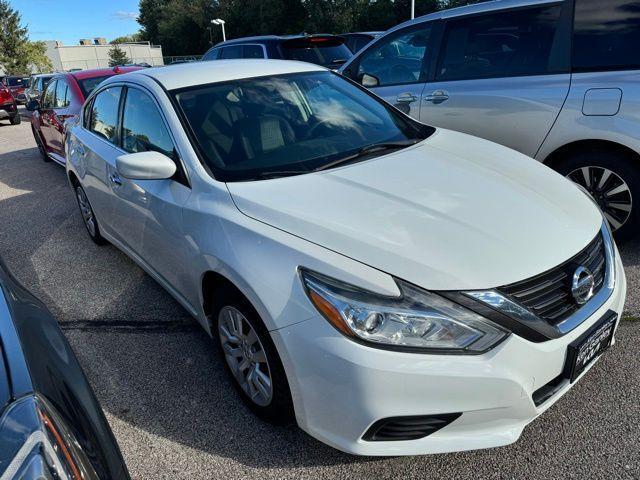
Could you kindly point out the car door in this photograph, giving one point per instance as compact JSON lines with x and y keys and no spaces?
{"x":58,"y":117}
{"x":95,"y":153}
{"x":148,"y":213}
{"x":396,"y":67}
{"x":45,"y":113}
{"x":502,"y":75}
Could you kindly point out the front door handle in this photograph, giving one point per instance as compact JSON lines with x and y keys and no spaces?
{"x":437,"y":96}
{"x":115,"y":179}
{"x":406,"y":98}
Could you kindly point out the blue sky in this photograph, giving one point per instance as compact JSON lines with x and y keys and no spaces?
{"x":71,"y":20}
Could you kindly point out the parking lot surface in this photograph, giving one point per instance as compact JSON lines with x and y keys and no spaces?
{"x":175,"y":414}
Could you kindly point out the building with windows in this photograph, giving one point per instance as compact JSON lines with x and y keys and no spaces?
{"x":95,"y":54}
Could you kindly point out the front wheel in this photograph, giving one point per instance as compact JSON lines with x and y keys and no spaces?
{"x":251,"y":358}
{"x":613,"y":182}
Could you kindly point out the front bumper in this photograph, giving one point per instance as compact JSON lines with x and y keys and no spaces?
{"x":340,"y":388}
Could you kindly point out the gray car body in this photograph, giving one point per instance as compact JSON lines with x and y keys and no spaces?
{"x":537,"y":115}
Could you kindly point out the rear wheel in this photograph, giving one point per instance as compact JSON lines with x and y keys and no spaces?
{"x":613,"y":182}
{"x":251,"y":358}
{"x":16,"y":119}
{"x":88,"y":217}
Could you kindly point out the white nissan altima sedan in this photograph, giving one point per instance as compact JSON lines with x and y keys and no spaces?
{"x":395,"y":288}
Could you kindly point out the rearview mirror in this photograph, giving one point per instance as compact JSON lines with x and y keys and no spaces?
{"x":369,"y":81}
{"x":146,"y":166}
{"x":33,"y":105}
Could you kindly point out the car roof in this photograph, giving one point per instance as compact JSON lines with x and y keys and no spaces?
{"x":183,"y":75}
{"x":101,"y":72}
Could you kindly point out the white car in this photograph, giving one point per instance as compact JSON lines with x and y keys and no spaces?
{"x":399,"y":289}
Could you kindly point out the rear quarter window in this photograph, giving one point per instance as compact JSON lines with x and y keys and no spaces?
{"x":606,"y":35}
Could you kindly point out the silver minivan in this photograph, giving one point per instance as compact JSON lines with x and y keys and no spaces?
{"x":556,"y":80}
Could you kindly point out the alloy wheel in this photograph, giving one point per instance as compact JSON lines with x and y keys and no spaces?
{"x":85,"y":209}
{"x":245,"y":355}
{"x":609,"y":190}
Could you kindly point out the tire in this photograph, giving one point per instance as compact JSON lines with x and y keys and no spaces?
{"x":614,"y":182}
{"x":16,"y":119}
{"x":276,"y":408}
{"x":40,"y":145}
{"x":88,"y":217}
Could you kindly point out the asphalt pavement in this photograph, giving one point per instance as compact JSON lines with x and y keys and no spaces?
{"x":177,"y":416}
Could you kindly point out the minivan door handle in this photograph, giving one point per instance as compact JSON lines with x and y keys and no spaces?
{"x":406,"y":98}
{"x":438,"y":96}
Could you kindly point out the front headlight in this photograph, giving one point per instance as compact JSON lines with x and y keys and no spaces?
{"x":417,"y":320}
{"x":35,"y":444}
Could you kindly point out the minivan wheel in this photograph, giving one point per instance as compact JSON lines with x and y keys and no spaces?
{"x":250,"y":357}
{"x":614,"y":184}
{"x":88,"y":217}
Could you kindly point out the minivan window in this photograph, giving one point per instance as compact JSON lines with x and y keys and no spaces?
{"x":253,"y":51}
{"x":104,"y":113}
{"x":231,"y":52}
{"x":503,"y":44}
{"x":143,"y":128}
{"x":294,"y":123}
{"x":398,"y":59}
{"x":606,"y":35}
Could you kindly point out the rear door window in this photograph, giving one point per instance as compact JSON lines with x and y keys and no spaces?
{"x":503,"y":44}
{"x":104,"y":114}
{"x":606,"y":35}
{"x":212,"y":54}
{"x":253,"y":51}
{"x":326,"y":51}
{"x":49,"y":95}
{"x":62,"y":93}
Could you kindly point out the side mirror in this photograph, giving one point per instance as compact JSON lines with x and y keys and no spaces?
{"x":369,"y":81}
{"x":146,"y":166}
{"x":33,"y":105}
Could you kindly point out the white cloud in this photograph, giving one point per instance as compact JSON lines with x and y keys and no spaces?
{"x":122,"y":15}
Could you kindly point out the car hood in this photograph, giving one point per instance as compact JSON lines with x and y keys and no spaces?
{"x":453,"y":212}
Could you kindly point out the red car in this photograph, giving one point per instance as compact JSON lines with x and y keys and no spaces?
{"x":16,"y":86}
{"x":8,"y":106}
{"x":61,"y":102}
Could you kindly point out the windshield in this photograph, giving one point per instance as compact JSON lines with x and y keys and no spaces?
{"x":292,"y":123}
{"x":328,"y":52}
{"x":88,"y":84}
{"x":17,"y":81}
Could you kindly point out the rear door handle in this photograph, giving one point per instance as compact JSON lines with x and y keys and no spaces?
{"x":406,"y":98}
{"x":438,"y":96}
{"x":80,"y":150}
{"x":115,"y":179}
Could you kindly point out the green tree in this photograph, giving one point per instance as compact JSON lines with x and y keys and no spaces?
{"x":13,"y":39}
{"x":117,"y":56}
{"x":36,"y":59}
{"x":134,"y":37}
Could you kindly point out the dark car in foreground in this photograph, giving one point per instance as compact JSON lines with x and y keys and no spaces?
{"x":356,"y":41}
{"x":327,"y":50}
{"x":60,"y":103}
{"x":51,"y":425}
{"x":8,"y":106}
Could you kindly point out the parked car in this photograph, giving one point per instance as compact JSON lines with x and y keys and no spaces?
{"x":60,"y":105}
{"x":37,"y":84}
{"x":355,"y":41}
{"x":530,"y":75}
{"x":16,"y":86}
{"x":326,"y":50}
{"x":51,"y":425}
{"x":397,"y":288}
{"x":8,"y":106}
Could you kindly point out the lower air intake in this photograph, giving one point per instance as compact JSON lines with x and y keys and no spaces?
{"x":408,"y":428}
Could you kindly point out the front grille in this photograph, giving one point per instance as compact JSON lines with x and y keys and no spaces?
{"x":408,"y":428}
{"x":548,"y":295}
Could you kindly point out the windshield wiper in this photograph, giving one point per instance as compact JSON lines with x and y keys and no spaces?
{"x":277,"y":174}
{"x":367,"y":150}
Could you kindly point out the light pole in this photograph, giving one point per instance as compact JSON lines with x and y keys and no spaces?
{"x":413,"y":9}
{"x":219,"y":21}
